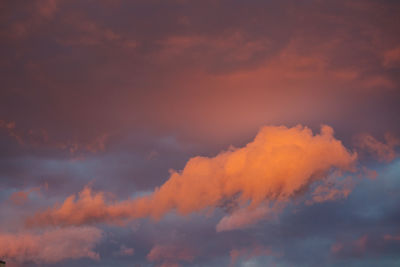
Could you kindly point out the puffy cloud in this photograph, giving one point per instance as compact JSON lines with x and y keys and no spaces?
{"x":279,"y":164}
{"x":51,"y":246}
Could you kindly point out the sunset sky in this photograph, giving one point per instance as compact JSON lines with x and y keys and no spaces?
{"x":213,"y":133}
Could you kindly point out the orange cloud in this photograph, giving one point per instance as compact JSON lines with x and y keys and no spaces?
{"x":277,"y":165}
{"x":50,"y":246}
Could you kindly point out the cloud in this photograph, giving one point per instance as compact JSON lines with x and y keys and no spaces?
{"x":169,"y":255}
{"x":243,"y":217}
{"x":169,"y":264}
{"x":10,"y":128}
{"x":249,"y":253}
{"x":278,"y":165}
{"x":332,"y":189}
{"x":39,"y":137}
{"x":356,"y":248}
{"x":21,"y":197}
{"x":47,"y":8}
{"x":383,"y":151}
{"x":51,"y":246}
{"x":391,"y":57}
{"x":391,"y":237}
{"x":125,"y":251}
{"x":39,"y":13}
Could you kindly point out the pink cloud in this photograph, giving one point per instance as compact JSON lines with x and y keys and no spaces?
{"x":51,"y":245}
{"x":384,"y":151}
{"x":21,"y":197}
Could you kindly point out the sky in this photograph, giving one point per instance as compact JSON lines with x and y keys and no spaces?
{"x":200,"y":133}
